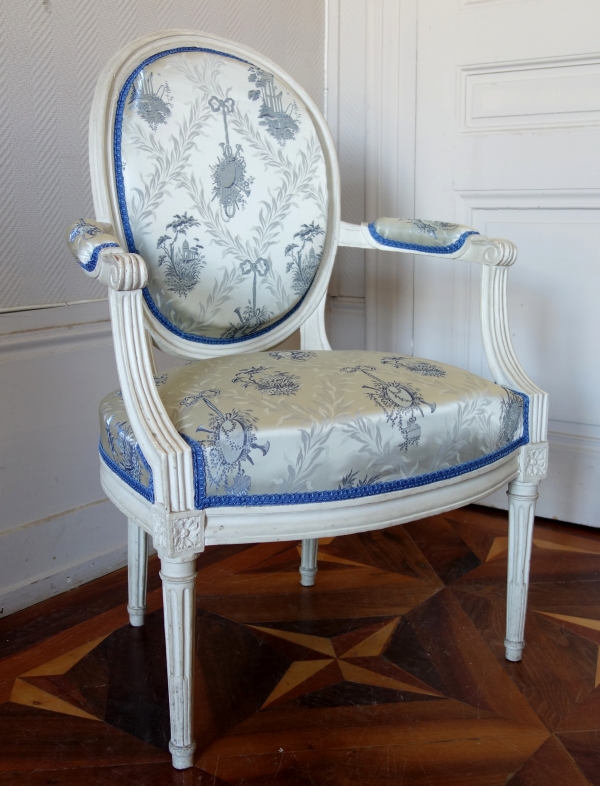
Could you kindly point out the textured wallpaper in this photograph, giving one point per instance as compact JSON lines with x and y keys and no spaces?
{"x":51,"y":52}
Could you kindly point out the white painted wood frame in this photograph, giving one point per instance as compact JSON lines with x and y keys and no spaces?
{"x":178,"y":529}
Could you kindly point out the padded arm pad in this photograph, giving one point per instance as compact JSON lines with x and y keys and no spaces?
{"x":433,"y":237}
{"x":87,"y":238}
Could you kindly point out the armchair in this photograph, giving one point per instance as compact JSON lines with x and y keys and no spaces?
{"x":216,"y":191}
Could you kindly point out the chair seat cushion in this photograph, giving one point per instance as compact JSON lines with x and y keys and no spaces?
{"x":288,"y":427}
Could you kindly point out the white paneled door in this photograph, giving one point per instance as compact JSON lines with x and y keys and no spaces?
{"x":508,"y":141}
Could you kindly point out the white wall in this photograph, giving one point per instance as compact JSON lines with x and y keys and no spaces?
{"x":57,"y":529}
{"x":401,"y":78}
{"x":371,"y":61}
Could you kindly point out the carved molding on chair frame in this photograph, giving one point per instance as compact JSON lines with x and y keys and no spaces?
{"x":323,"y":519}
{"x":179,"y":530}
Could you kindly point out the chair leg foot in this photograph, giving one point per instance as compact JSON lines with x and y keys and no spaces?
{"x":137,"y":573}
{"x":521,"y":513}
{"x":308,"y":562}
{"x":513,"y":650}
{"x":137,"y":617}
{"x":182,"y":756}
{"x":179,"y":600}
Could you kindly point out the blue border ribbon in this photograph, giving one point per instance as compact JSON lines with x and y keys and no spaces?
{"x":415,"y":247}
{"x":120,"y":183}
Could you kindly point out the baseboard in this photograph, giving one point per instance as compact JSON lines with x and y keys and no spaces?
{"x":44,"y":558}
{"x":19,"y":597}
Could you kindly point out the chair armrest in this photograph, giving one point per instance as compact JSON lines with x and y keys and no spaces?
{"x":169,"y":456}
{"x":435,"y":238}
{"x":87,"y":239}
{"x":460,"y":242}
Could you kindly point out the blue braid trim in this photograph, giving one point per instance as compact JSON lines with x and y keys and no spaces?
{"x":201,"y":501}
{"x":207,"y":339}
{"x":91,"y":265}
{"x":414,"y":247}
{"x":147,"y":493}
{"x":199,"y":472}
{"x":118,"y":135}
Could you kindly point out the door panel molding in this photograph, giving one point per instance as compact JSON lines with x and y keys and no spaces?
{"x":574,"y":443}
{"x":539,"y":93}
{"x":528,"y":199}
{"x":469,"y":351}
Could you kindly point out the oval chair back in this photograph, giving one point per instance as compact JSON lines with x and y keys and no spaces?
{"x":224,"y":178}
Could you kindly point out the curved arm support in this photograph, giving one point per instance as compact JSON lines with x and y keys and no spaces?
{"x":169,"y":456}
{"x":495,"y":256}
{"x":475,"y":248}
{"x":500,"y":353}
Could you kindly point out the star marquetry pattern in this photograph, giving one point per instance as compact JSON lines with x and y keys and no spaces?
{"x":48,"y":688}
{"x":389,"y":668}
{"x":351,"y":657}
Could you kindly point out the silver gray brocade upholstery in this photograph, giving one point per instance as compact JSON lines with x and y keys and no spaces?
{"x":434,"y":236}
{"x":299,"y":426}
{"x":223,"y":191}
{"x":86,"y":238}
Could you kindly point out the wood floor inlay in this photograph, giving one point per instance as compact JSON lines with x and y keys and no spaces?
{"x":389,"y":671}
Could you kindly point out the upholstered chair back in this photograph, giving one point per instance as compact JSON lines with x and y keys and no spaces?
{"x":222,"y":184}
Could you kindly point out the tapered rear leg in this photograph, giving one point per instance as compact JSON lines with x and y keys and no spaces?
{"x":308,"y":562}
{"x":521,"y":513}
{"x":137,"y":570}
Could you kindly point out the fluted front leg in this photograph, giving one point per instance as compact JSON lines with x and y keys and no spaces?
{"x":521,"y":512}
{"x":137,"y":572}
{"x":308,"y":562}
{"x":179,"y":595}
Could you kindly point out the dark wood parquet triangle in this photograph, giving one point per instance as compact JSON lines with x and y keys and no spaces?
{"x":65,"y":741}
{"x":550,"y":764}
{"x":389,"y":671}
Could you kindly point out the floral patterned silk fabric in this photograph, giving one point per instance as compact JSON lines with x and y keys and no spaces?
{"x":86,"y":239}
{"x":436,"y":237}
{"x":223,"y":191}
{"x":296,"y":426}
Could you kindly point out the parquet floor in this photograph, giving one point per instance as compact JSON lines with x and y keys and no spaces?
{"x":389,"y":671}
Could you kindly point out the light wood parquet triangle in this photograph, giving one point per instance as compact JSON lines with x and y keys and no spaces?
{"x":31,"y":696}
{"x":63,"y":663}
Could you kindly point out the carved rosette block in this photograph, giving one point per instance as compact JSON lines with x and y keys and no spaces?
{"x":159,"y":531}
{"x":521,"y":512}
{"x":188,"y":533}
{"x":178,"y":534}
{"x":534,"y":462}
